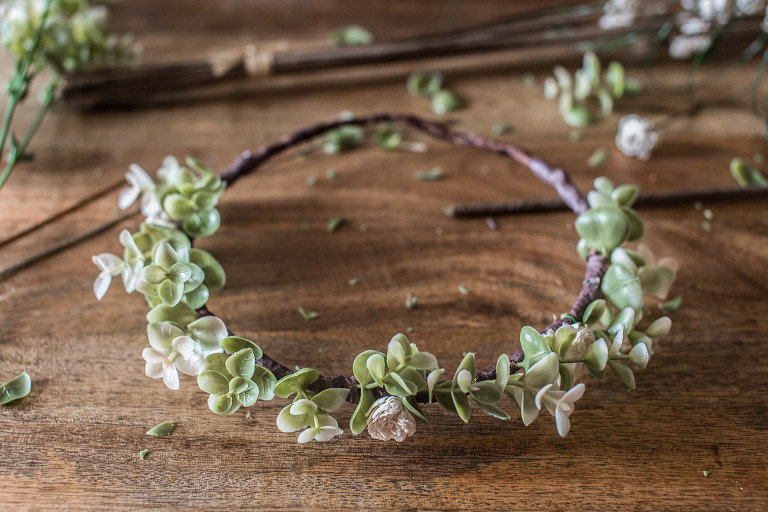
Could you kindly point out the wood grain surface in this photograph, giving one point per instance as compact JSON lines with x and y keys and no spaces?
{"x":700,"y":406}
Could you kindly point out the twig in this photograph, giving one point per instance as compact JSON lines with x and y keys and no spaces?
{"x":66,"y":211}
{"x":665,"y":198}
{"x":64,"y":245}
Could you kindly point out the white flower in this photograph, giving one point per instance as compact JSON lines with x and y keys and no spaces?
{"x":684,"y":47}
{"x":110,"y":266}
{"x":635,"y":136}
{"x":618,"y":14}
{"x":184,"y":356}
{"x":140,"y":184}
{"x":326,"y":429}
{"x":113,"y":266}
{"x":560,"y":405}
{"x":389,"y":419}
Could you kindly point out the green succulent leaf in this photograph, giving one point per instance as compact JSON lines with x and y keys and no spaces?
{"x":234,"y":344}
{"x":422,"y":361}
{"x":486,"y":392}
{"x":358,"y":421}
{"x":331,"y":399}
{"x":535,"y":347}
{"x":603,"y":229}
{"x":622,"y":287}
{"x":163,"y":429}
{"x":360,"y":368}
{"x":288,"y":422}
{"x":596,"y":356}
{"x":413,"y":406}
{"x":624,"y":373}
{"x":492,"y":410}
{"x":223,"y":404}
{"x":217,"y":362}
{"x":266,"y":381}
{"x":242,"y":363}
{"x":502,"y":371}
{"x":213,"y":382}
{"x":432,"y":379}
{"x":461,"y":404}
{"x":593,"y":312}
{"x":180,"y":314}
{"x":296,"y":382}
{"x":16,"y":388}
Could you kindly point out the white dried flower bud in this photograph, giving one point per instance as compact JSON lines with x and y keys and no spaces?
{"x":585,"y":337}
{"x":635,"y":136}
{"x":389,"y":419}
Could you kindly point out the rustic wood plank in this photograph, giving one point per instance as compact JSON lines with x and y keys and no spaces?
{"x":701,"y":404}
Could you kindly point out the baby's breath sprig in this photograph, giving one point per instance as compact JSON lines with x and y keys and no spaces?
{"x":51,"y":38}
{"x":601,"y":332}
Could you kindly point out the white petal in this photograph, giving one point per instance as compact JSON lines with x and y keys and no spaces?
{"x":307,"y":435}
{"x":110,"y":262}
{"x":563,"y":423}
{"x":171,"y":377}
{"x":541,"y":393}
{"x":575,"y":393}
{"x":101,"y":284}
{"x":153,"y":370}
{"x":191,"y":366}
{"x":328,"y":433}
{"x":139,"y":177}
{"x":670,"y":262}
{"x":161,"y":335}
{"x":127,"y":197}
{"x":186,"y":346}
{"x":152,"y":355}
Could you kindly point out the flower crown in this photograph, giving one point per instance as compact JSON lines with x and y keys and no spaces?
{"x":601,"y":331}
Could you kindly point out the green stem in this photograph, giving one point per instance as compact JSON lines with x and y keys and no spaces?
{"x":18,"y":86}
{"x":48,"y":97}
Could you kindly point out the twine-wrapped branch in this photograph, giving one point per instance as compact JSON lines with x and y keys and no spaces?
{"x":596,"y":267}
{"x":130,"y":87}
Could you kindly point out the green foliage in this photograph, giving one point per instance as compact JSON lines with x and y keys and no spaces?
{"x":425,"y":83}
{"x":746,"y":175}
{"x":343,"y":139}
{"x":610,"y":221}
{"x":352,"y":35}
{"x":235,"y":380}
{"x":388,"y":136}
{"x":587,"y":95}
{"x":16,"y":388}
{"x":163,"y":429}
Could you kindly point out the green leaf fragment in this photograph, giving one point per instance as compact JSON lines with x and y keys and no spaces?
{"x":598,"y":158}
{"x":143,"y":454}
{"x":463,"y":289}
{"x":234,"y":344}
{"x":334,"y":223}
{"x":746,"y":175}
{"x":307,"y":314}
{"x":671,"y":305}
{"x":432,"y":174}
{"x":16,"y":388}
{"x":425,"y":83}
{"x":445,"y":101}
{"x":499,"y":129}
{"x":163,"y":429}
{"x":351,"y":35}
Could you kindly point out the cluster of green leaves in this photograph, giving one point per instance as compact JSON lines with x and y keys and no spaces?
{"x":351,"y":35}
{"x":401,"y":372}
{"x":189,"y":194}
{"x":430,"y":84}
{"x":343,"y":138}
{"x":610,"y":220}
{"x":236,"y":380}
{"x":588,"y":94}
{"x":453,"y":395}
{"x":309,"y":410}
{"x":172,"y":272}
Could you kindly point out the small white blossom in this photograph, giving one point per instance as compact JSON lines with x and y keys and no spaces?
{"x":184,"y":356}
{"x":635,"y":136}
{"x":389,"y":419}
{"x":560,"y":405}
{"x":110,"y":266}
{"x":140,"y":184}
{"x":327,"y":428}
{"x":618,"y":14}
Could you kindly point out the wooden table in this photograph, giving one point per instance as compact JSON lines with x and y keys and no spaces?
{"x":74,"y":442}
